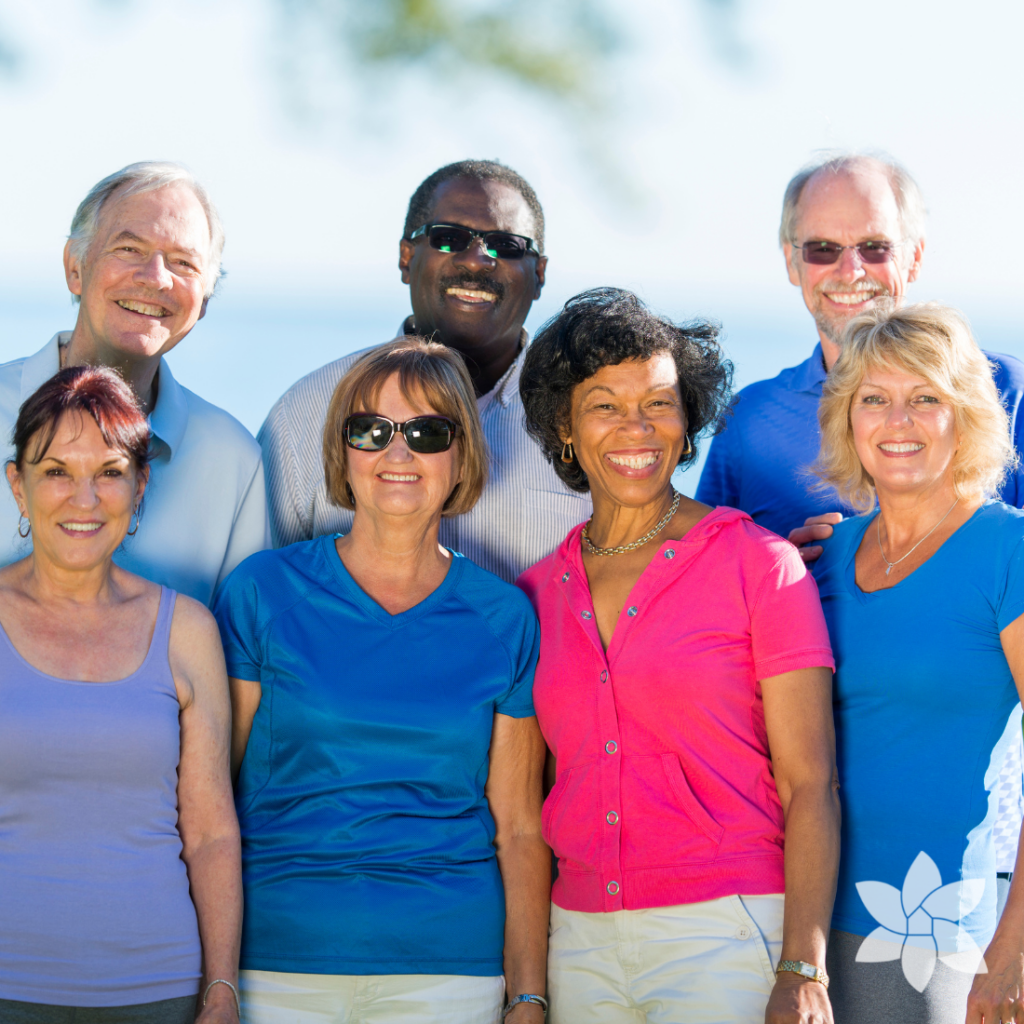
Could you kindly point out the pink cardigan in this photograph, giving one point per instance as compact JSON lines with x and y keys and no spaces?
{"x":664,"y":790}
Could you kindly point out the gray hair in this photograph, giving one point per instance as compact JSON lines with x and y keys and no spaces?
{"x":909,"y":200}
{"x":145,"y":176}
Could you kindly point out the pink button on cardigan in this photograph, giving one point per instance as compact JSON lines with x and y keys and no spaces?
{"x":664,"y":791}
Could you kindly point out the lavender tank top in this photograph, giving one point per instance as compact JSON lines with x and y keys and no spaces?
{"x":94,"y":901}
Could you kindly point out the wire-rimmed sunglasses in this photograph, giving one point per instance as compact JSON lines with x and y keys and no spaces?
{"x":428,"y":435}
{"x":499,"y":245}
{"x":823,"y":253}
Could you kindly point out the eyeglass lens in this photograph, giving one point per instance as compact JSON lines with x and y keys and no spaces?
{"x":500,"y":245}
{"x":427,"y":435}
{"x":823,"y":253}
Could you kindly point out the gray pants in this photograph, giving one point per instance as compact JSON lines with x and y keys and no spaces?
{"x":166,"y":1011}
{"x":865,"y":993}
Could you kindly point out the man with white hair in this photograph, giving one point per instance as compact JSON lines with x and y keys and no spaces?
{"x":853,"y":234}
{"x":142,"y":260}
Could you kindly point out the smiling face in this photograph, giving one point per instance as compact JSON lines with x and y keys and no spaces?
{"x":397,"y":481}
{"x":629,"y":429}
{"x":904,"y":432}
{"x":80,"y":497}
{"x":854,"y":206}
{"x":473,"y":301}
{"x":142,"y":281}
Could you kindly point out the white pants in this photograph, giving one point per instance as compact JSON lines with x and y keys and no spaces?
{"x":697,"y":963}
{"x":270,"y":997}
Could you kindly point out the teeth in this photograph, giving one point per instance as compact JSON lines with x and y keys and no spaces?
{"x":142,"y":307}
{"x":82,"y":527}
{"x":634,"y":461}
{"x":401,"y":477}
{"x":902,"y":446}
{"x":852,"y":298}
{"x":471,"y":295}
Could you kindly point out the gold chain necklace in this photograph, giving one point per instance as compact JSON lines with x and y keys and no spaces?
{"x":649,"y":536}
{"x":878,"y":533}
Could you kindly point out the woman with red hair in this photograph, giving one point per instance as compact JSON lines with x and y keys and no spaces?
{"x":119,"y":850}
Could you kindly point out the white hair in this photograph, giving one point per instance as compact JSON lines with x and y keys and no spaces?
{"x":146,"y":176}
{"x":909,"y":200}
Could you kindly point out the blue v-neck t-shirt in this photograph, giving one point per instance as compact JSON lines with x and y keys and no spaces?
{"x":925,"y":709}
{"x":367,"y":842}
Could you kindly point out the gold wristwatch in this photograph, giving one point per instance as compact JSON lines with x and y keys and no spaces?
{"x":804,"y":969}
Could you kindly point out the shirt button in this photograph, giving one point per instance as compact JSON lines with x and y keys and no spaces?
{"x":632,"y":610}
{"x":743,"y":932}
{"x":604,"y":676}
{"x":671,"y":553}
{"x":612,"y":887}
{"x":565,"y":578}
{"x":586,"y":615}
{"x":611,"y":817}
{"x":611,"y":746}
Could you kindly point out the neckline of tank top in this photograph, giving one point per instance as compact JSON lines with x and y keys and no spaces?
{"x":89,"y":682}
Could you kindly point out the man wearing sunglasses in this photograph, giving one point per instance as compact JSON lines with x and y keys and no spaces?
{"x":472,"y":253}
{"x":852,"y":234}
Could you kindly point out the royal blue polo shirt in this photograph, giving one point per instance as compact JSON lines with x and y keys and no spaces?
{"x":760,"y":462}
{"x":367,"y":841}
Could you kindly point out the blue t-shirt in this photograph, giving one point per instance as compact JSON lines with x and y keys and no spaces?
{"x":760,"y":462}
{"x":925,"y":709}
{"x":367,"y":843}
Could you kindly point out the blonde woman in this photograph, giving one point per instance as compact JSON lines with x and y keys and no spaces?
{"x":390,"y":784}
{"x":925,"y":605}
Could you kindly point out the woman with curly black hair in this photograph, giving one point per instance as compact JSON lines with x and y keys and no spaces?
{"x":684,"y":689}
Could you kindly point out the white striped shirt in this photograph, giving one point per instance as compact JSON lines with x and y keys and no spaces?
{"x":522,"y":516}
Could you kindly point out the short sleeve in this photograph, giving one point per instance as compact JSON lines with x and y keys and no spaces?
{"x":236,"y":609}
{"x":787,"y":625}
{"x":524,"y":651}
{"x":1010,"y":604}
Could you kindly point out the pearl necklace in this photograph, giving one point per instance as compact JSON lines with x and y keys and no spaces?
{"x":878,"y":532}
{"x":649,"y":536}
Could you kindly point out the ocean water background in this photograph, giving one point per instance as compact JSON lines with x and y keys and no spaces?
{"x":251,"y":347}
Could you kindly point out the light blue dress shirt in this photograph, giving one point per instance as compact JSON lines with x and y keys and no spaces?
{"x":205,"y":508}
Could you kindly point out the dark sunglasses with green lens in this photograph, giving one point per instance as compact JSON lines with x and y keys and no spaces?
{"x":428,"y":435}
{"x":499,"y":245}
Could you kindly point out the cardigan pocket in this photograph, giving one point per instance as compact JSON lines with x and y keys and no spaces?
{"x":567,"y":822}
{"x":663,"y":821}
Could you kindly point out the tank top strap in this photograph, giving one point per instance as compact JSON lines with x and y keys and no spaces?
{"x":159,"y":645}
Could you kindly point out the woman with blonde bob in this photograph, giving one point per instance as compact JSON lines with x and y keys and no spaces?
{"x":390,"y":764}
{"x":924,"y":600}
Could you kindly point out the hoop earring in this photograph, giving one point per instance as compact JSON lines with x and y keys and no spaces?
{"x":28,"y":527}
{"x":138,"y":519}
{"x":570,"y":459}
{"x":689,"y":447}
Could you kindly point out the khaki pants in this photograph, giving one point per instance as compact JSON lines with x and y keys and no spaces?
{"x":270,"y":997}
{"x":697,"y":963}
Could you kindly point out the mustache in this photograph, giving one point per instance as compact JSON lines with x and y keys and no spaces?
{"x":476,"y":282}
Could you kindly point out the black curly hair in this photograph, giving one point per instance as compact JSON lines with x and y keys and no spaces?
{"x":604,"y":327}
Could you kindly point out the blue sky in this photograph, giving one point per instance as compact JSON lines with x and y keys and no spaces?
{"x":314,"y":209}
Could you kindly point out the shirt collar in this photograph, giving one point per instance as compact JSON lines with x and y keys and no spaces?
{"x":508,"y":386}
{"x":810,"y":374}
{"x":169,"y":417}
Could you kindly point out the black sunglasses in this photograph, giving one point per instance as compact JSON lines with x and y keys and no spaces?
{"x":428,"y":435}
{"x":499,"y":245}
{"x":823,"y":253}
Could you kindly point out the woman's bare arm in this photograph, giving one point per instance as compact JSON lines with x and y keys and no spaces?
{"x":211,"y":847}
{"x":515,"y":794}
{"x":998,"y":994}
{"x":801,"y":739}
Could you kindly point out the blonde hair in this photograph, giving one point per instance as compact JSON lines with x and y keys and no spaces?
{"x":933,"y":342}
{"x":425,"y":369}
